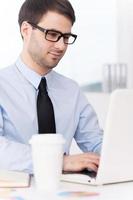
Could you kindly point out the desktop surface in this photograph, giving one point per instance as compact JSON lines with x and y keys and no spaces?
{"x":74,"y":191}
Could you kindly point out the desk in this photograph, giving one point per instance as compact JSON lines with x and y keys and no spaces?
{"x":121,"y":191}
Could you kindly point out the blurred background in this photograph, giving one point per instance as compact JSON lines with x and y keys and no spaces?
{"x":104,"y":44}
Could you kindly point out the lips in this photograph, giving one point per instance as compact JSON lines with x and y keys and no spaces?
{"x":55,"y":54}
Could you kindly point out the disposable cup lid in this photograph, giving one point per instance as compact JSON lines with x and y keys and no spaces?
{"x":47,"y":138}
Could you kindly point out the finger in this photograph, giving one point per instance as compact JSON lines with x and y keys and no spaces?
{"x":92,"y":167}
{"x":93,"y":161}
{"x":88,"y":164}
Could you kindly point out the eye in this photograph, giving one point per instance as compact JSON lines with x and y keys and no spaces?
{"x":52,"y":34}
{"x":67,"y":36}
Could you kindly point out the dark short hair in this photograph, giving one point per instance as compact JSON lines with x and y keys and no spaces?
{"x":33,"y":10}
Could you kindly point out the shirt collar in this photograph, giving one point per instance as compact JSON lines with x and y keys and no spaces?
{"x":33,"y":77}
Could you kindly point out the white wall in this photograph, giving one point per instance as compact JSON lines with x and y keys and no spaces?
{"x":96,"y":43}
{"x":125,"y":36}
{"x":105,"y":35}
{"x":10,"y":40}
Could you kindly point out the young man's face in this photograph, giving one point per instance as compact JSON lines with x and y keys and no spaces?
{"x":43,"y":53}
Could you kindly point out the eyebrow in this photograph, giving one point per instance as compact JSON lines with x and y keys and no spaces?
{"x":52,"y":29}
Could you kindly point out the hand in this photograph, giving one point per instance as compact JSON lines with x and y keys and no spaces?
{"x":75,"y":163}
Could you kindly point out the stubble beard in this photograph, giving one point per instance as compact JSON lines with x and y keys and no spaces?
{"x":42,"y":63}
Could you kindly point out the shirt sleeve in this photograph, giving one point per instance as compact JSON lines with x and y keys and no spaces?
{"x":88,"y":134}
{"x":14,"y":155}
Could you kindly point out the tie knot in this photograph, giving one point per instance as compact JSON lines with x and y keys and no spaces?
{"x":43,"y":86}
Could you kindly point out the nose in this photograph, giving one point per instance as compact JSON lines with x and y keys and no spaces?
{"x":60,"y":44}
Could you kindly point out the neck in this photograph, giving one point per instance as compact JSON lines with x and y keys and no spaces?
{"x":34,"y":66}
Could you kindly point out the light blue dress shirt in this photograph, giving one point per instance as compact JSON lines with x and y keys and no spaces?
{"x":74,"y":116}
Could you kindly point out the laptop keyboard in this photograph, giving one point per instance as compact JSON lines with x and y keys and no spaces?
{"x":90,"y":173}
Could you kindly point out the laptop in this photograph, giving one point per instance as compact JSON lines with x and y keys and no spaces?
{"x":116,"y":161}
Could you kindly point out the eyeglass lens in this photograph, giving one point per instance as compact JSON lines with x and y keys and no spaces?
{"x":55,"y":36}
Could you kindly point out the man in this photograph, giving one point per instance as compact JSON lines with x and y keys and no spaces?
{"x":45,"y":27}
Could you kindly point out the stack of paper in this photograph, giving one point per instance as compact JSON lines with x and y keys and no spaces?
{"x":14,"y":179}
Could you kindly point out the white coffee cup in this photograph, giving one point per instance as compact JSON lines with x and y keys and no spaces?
{"x":47,"y":154}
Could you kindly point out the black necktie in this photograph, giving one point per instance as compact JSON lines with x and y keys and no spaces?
{"x":45,"y":111}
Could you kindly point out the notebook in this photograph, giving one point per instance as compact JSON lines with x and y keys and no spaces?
{"x":116,"y":161}
{"x":14,"y":179}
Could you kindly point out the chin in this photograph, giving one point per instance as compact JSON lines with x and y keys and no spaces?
{"x":54,"y":64}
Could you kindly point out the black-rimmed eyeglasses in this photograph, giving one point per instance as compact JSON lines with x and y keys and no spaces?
{"x":54,"y":36}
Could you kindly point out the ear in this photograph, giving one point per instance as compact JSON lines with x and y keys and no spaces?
{"x":26,"y":29}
